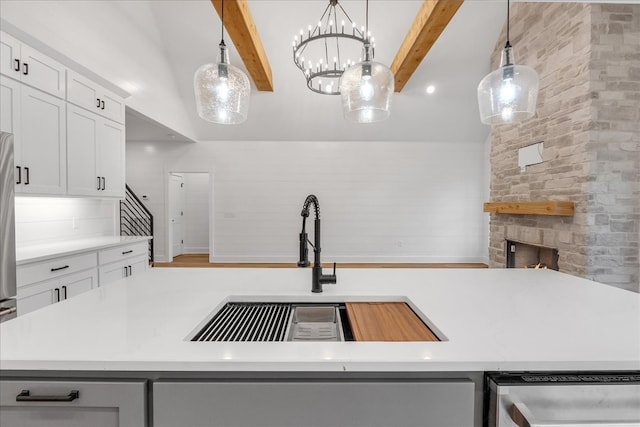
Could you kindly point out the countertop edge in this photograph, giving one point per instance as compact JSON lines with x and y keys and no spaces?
{"x":81,"y":245}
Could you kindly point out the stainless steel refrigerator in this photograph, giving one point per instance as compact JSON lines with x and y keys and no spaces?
{"x":7,"y":230}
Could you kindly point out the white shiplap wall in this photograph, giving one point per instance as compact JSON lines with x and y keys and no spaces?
{"x":380,"y":201}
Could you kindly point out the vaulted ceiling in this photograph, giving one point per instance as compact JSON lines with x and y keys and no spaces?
{"x":281,"y":106}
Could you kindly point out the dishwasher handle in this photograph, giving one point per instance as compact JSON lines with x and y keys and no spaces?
{"x":523,"y":417}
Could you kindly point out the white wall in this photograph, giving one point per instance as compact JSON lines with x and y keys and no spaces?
{"x":380,"y":201}
{"x":129,"y":54}
{"x":196,"y":213}
{"x":49,"y":219}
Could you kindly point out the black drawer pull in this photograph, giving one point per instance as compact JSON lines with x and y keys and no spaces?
{"x":98,"y":102}
{"x":102,"y":107}
{"x":59,"y":268}
{"x":57,"y":291}
{"x":25,"y":67}
{"x":127,"y":252}
{"x":25,"y":396}
{"x":64,"y":290}
{"x":17,"y":67}
{"x":26,"y":171}
{"x":19,"y":181}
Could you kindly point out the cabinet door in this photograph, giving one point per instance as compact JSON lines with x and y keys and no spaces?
{"x":34,"y":297}
{"x":9,"y":56}
{"x":111,"y":158}
{"x":82,"y":142}
{"x":42,"y":72}
{"x":10,"y":106}
{"x":113,"y":107}
{"x":138,"y":265}
{"x":112,"y":272}
{"x":82,"y":92}
{"x":90,"y":95}
{"x":432,"y":403}
{"x":78,"y":283}
{"x":98,"y":404}
{"x":42,"y":150}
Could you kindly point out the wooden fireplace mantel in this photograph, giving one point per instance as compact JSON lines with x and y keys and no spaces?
{"x":545,"y":207}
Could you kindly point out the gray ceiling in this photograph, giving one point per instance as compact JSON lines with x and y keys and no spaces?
{"x":190,"y":32}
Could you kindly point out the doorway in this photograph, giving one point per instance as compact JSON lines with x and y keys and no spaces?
{"x":189,"y":219}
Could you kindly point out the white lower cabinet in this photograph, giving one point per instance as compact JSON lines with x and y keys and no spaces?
{"x":42,"y":294}
{"x":118,"y":270}
{"x":42,"y":283}
{"x":432,"y":403}
{"x":72,"y":403}
{"x":122,"y":261}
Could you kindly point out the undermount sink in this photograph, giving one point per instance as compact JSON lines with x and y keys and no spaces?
{"x":251,"y":320}
{"x":265,"y":321}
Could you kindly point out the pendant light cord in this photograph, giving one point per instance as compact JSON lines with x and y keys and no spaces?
{"x":222,"y":29}
{"x":366,"y":24}
{"x":508,"y":44}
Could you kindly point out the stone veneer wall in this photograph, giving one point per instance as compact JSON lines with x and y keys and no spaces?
{"x":588,"y":115}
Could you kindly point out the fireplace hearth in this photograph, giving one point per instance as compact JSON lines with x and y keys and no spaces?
{"x":524,"y":255}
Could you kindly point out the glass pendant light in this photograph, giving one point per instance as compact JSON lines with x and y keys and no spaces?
{"x":222,"y":90}
{"x":508,"y":94}
{"x":366,"y":88}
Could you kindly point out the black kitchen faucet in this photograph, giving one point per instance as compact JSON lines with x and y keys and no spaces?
{"x":317,"y":278}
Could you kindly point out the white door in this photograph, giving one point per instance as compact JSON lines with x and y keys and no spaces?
{"x":176,"y":213}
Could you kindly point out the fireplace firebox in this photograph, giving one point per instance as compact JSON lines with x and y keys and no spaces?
{"x":524,"y":255}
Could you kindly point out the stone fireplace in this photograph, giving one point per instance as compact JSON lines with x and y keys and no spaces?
{"x":588,"y":117}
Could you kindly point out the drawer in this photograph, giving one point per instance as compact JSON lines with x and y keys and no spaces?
{"x":44,"y":270}
{"x":122,"y":252}
{"x":73,"y":403}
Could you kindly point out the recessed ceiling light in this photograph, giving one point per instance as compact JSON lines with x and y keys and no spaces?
{"x":431,"y":89}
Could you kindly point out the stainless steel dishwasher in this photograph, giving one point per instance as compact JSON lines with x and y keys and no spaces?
{"x":597,"y":399}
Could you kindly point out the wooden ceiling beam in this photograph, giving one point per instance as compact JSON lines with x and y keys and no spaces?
{"x":430,"y":22}
{"x":238,"y":23}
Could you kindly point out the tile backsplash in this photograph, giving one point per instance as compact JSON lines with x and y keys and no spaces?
{"x":46,"y":219}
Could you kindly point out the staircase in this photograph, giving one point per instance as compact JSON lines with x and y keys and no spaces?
{"x":135,"y":218}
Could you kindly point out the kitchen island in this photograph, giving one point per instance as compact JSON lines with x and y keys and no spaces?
{"x":488,"y":320}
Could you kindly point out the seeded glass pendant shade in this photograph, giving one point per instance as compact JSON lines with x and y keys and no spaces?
{"x":508,"y":94}
{"x":366,"y":88}
{"x":222,"y":90}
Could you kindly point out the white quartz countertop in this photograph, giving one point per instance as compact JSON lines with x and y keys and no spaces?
{"x":491,"y":319}
{"x":45,"y":251}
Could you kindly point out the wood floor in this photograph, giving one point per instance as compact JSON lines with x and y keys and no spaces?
{"x":202,"y":260}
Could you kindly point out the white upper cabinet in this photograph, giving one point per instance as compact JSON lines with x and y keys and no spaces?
{"x":37,"y":121}
{"x":95,"y":155}
{"x":69,"y":131}
{"x":21,"y":62}
{"x":87,"y":94}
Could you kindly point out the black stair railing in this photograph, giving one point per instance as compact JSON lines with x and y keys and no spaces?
{"x":135,"y":218}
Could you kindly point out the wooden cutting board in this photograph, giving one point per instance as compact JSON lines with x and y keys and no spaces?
{"x":386,"y":321}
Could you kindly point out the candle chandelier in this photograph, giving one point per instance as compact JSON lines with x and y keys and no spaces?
{"x":325,"y":50}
